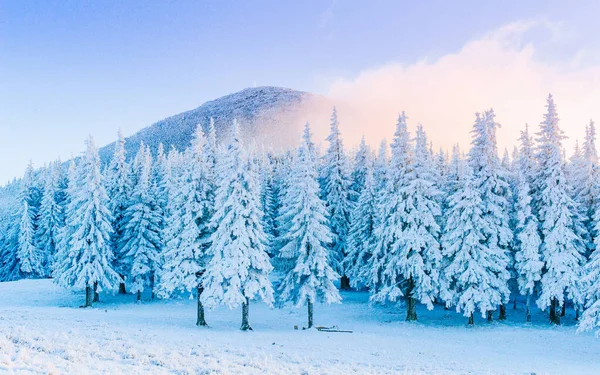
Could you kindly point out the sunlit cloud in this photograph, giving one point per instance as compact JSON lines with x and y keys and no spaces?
{"x":501,"y":70}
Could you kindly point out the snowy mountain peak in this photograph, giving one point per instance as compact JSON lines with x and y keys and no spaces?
{"x":269,"y":116}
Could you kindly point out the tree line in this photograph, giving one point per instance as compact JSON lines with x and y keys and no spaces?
{"x":231,"y":225}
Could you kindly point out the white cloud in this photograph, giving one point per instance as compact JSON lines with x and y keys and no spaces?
{"x":500,"y":70}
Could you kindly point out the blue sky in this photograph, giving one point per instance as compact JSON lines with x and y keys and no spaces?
{"x":69,"y":68}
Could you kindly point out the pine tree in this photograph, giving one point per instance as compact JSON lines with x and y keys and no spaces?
{"x":186,"y":234}
{"x":586,"y":185}
{"x":491,"y":182}
{"x":140,"y":242}
{"x":268,"y":203}
{"x":118,"y":187}
{"x":407,"y":254}
{"x":51,"y":216}
{"x":561,"y":245}
{"x":86,"y":262}
{"x":239,"y":267}
{"x":309,"y":275}
{"x":528,"y":264}
{"x":471,"y":268}
{"x":31,"y":261}
{"x":335,"y":190}
{"x":591,"y":282}
{"x":362,"y":162}
{"x":361,"y":232}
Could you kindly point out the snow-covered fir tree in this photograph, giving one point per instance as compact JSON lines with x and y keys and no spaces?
{"x":528,"y":263}
{"x":309,"y":275}
{"x":407,"y":252}
{"x":51,"y":216}
{"x":336,"y":192}
{"x":361,"y":232}
{"x":362,"y":162}
{"x":188,"y":225}
{"x":30,"y":258}
{"x":562,"y":247}
{"x":470,"y":275}
{"x":140,"y":240}
{"x":491,"y":183}
{"x":590,"y":319}
{"x":118,"y":187}
{"x":585,"y":184}
{"x":239,"y":268}
{"x":86,"y":261}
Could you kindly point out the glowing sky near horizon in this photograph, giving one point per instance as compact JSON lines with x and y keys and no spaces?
{"x":70,"y":68}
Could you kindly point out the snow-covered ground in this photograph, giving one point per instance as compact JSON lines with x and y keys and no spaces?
{"x":43,"y":331}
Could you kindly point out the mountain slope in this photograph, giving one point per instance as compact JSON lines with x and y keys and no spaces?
{"x":269,"y":116}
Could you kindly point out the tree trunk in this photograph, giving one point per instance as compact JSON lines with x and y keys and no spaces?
{"x":490,"y":317}
{"x":515,"y":303}
{"x":411,"y":303}
{"x":310,"y":314}
{"x":122,"y":289}
{"x":554,"y":312}
{"x":344,"y":282}
{"x":89,"y":295}
{"x":528,"y":309}
{"x":96,"y":295}
{"x":564,"y":309}
{"x":200,"y":321}
{"x":576,"y":314}
{"x":152,"y":276}
{"x":502,"y":315}
{"x":471,"y":320}
{"x":245,"y":325}
{"x":139,"y":296}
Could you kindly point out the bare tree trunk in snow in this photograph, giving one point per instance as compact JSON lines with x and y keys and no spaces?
{"x":96,"y":295}
{"x":471,"y":320}
{"x":245,"y":324}
{"x":310,"y":314}
{"x":89,"y":295}
{"x":200,"y":321}
{"x":528,"y":308}
{"x":502,"y":315}
{"x":490,"y":317}
{"x":411,"y":303}
{"x":345,"y":283}
{"x":122,"y":289}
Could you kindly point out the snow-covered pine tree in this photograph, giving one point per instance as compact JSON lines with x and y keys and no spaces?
{"x":528,"y":263}
{"x":31,"y":259}
{"x":586,"y":186}
{"x":407,"y":254}
{"x":335,"y":190}
{"x":591,"y":282}
{"x":471,"y":268}
{"x":309,"y":275}
{"x":187,"y":229}
{"x":268,"y":202}
{"x":363,"y":160}
{"x":239,"y":267}
{"x":140,"y":241}
{"x":491,"y":183}
{"x":51,"y":216}
{"x":562,"y":247}
{"x":118,"y":187}
{"x":381,"y":167}
{"x":361,"y":231}
{"x":86,"y":262}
